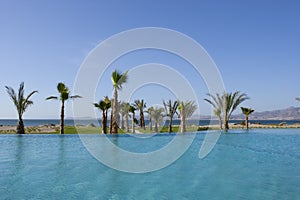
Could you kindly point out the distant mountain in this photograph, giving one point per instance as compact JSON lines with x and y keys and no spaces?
{"x":291,"y":113}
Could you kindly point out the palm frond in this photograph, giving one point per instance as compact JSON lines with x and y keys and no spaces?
{"x":190,"y":108}
{"x":51,"y":97}
{"x":247,"y":111}
{"x":214,"y":102}
{"x":21,"y":94}
{"x":12,"y":95}
{"x":61,"y":87}
{"x":30,"y":94}
{"x":26,"y":104}
{"x":19,"y":101}
{"x":237,"y":100}
{"x":118,"y":79}
{"x":75,"y":97}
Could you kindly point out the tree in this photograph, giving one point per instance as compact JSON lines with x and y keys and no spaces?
{"x":21,"y":103}
{"x":104,"y":105}
{"x":140,"y":105}
{"x":132,"y":110}
{"x":231,"y":102}
{"x":186,"y":110}
{"x":298,"y":99}
{"x":149,"y":111}
{"x":64,"y":95}
{"x":226,"y":104}
{"x":157,"y":116}
{"x":171,"y":110}
{"x":118,"y":79}
{"x":247,"y":112}
{"x":217,"y":103}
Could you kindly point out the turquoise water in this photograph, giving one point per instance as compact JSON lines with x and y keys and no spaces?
{"x":260,"y":164}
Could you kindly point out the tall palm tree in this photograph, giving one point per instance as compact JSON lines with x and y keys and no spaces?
{"x":231,"y":102}
{"x":118,"y":79}
{"x":140,"y":105}
{"x":186,"y":110}
{"x":171,"y":110}
{"x":104,"y":105}
{"x":157,"y":116}
{"x":217,"y":103}
{"x":64,"y":95}
{"x":21,"y":103}
{"x":247,"y":112}
{"x":132,"y":110}
{"x":149,"y":111}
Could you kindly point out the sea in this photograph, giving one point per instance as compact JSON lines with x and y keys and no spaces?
{"x":71,"y":122}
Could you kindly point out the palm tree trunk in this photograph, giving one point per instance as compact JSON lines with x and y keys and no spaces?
{"x":103,"y":122}
{"x":182,"y":127}
{"x":170,"y":125}
{"x":150,"y":122}
{"x":127,"y":123}
{"x":155,"y":127}
{"x":111,"y":122}
{"x":133,"y":127}
{"x":115,"y":112}
{"x":142,"y":120}
{"x":220,"y":122}
{"x":62,"y":116}
{"x":247,"y":122}
{"x":20,"y":127}
{"x":122,"y":122}
{"x":226,"y":126}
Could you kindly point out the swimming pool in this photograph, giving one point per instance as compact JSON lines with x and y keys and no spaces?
{"x":259,"y":164}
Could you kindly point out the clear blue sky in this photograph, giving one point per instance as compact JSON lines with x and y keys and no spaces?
{"x":255,"y":45}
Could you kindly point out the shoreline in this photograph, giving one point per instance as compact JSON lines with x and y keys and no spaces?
{"x":54,"y":129}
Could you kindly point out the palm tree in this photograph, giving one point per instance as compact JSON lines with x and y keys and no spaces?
{"x":21,"y":103}
{"x":104,"y":105}
{"x":118,"y":79}
{"x":132,"y":109}
{"x":64,"y":95}
{"x":140,"y":105}
{"x":186,"y":110}
{"x":247,"y":112}
{"x":149,"y":111}
{"x":171,"y":110}
{"x":298,"y":99}
{"x":226,"y":104}
{"x":231,"y":102}
{"x":157,"y":116}
{"x":217,"y":103}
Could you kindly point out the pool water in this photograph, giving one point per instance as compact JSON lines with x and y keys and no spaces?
{"x":259,"y":164}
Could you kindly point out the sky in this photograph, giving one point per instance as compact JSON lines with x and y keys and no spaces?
{"x":255,"y":45}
